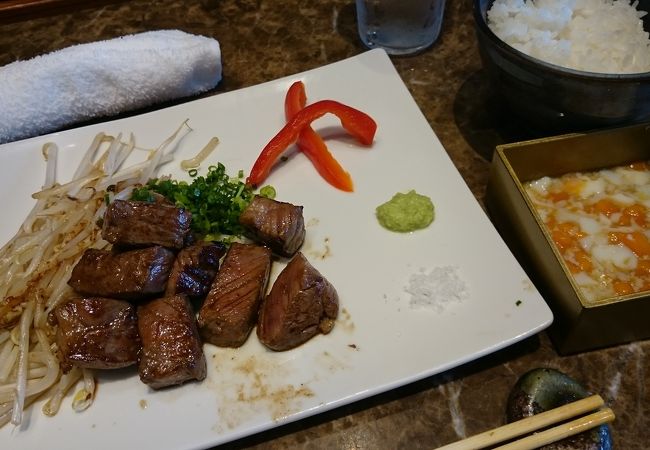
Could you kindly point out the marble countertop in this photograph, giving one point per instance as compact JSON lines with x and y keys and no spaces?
{"x":265,"y":39}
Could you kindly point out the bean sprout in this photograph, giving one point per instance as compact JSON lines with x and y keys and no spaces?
{"x":84,"y":397}
{"x":35,"y":266}
{"x":66,"y":381}
{"x":196,"y":161}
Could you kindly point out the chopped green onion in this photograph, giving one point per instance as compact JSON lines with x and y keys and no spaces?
{"x":215,"y":200}
{"x":142,"y":195}
{"x":268,"y":191}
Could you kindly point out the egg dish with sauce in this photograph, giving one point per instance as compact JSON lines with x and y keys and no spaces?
{"x":600,"y":224}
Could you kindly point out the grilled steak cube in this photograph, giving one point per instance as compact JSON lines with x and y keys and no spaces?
{"x":97,"y":333}
{"x":130,"y":223}
{"x":131,"y":274}
{"x":301,"y":304}
{"x":194,"y":269}
{"x":230,"y":309}
{"x":277,"y":225}
{"x":171,"y":348}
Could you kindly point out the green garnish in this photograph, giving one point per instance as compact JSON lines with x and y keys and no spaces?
{"x":268,"y":191}
{"x":215,"y":200}
{"x":142,"y":194}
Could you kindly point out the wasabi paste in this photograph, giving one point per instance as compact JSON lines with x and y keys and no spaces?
{"x":406,"y":212}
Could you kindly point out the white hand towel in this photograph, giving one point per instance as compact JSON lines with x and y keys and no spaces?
{"x":102,"y":78}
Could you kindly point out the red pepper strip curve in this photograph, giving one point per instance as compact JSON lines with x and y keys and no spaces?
{"x":312,"y":145}
{"x":358,"y":124}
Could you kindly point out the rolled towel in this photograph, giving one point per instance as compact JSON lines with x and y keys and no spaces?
{"x":103,"y":78}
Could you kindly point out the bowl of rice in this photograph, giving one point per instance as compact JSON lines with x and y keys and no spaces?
{"x":568,"y":65}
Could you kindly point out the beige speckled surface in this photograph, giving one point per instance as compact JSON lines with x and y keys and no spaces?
{"x":266,"y":39}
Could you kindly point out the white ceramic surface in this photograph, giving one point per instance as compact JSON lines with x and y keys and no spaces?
{"x":379,"y":342}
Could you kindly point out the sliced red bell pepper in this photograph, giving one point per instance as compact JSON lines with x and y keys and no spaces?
{"x":357,"y":123}
{"x":312,"y":145}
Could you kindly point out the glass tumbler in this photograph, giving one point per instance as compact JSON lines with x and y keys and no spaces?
{"x":400,"y":27}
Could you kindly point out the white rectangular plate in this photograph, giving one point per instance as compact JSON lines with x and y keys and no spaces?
{"x":379,"y":342}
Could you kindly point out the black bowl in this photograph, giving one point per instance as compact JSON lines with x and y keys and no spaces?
{"x":552,"y":98}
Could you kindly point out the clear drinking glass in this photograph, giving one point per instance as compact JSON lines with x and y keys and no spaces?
{"x":400,"y":27}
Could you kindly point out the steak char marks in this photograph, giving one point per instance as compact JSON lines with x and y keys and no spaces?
{"x":230,"y":309}
{"x":278,"y":225}
{"x":130,"y":223}
{"x":194,"y":269}
{"x":301,"y":304}
{"x":131,"y":274}
{"x":171,"y":348}
{"x":97,"y":333}
{"x":153,"y":253}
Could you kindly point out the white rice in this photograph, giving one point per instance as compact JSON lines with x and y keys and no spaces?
{"x":603,"y":36}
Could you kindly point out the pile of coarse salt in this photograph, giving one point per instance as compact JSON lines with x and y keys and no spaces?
{"x":603,"y":36}
{"x":437,"y":288}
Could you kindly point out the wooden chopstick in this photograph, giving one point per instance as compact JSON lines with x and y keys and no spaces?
{"x":562,"y":431}
{"x":538,"y":421}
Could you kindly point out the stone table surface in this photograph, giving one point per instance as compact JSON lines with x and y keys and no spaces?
{"x":266,"y":39}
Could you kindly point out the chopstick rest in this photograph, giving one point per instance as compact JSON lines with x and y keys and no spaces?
{"x":104,"y":78}
{"x":540,"y":422}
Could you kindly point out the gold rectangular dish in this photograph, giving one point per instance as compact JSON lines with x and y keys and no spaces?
{"x":579,"y":324}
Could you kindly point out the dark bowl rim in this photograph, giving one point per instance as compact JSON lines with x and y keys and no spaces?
{"x":481,"y":22}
